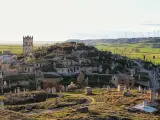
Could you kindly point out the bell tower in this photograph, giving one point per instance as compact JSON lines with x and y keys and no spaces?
{"x":27,"y":44}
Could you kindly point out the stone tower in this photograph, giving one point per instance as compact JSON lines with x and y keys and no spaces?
{"x":27,"y":44}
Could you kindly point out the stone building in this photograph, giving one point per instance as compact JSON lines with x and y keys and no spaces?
{"x":27,"y":44}
{"x":124,"y":80}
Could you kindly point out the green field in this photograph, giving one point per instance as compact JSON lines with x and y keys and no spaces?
{"x":133,"y":50}
{"x":16,"y":49}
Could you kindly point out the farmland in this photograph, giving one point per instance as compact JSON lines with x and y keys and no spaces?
{"x":137,"y":50}
{"x":16,"y":49}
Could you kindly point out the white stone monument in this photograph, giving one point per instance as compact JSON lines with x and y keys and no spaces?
{"x":119,"y":88}
{"x":108,"y":88}
{"x":139,"y":88}
{"x":88,"y":91}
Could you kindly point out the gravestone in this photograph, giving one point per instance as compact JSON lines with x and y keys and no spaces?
{"x":86,"y":80}
{"x":15,"y":91}
{"x":107,"y":72}
{"x":49,"y":90}
{"x":27,"y":90}
{"x":18,"y":90}
{"x":139,"y":88}
{"x":125,"y":88}
{"x":66,"y":88}
{"x":157,"y":94}
{"x":63,"y":88}
{"x":39,"y":88}
{"x":139,"y":77}
{"x":144,"y":91}
{"x":108,"y":88}
{"x":82,"y":109}
{"x":100,"y":69}
{"x":53,"y":90}
{"x":60,"y":94}
{"x":152,"y":96}
{"x":88,"y":91}
{"x":144,"y":103}
{"x":119,"y":88}
{"x":24,"y":91}
{"x":81,"y":78}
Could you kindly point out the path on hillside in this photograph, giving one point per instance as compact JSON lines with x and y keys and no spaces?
{"x":89,"y":100}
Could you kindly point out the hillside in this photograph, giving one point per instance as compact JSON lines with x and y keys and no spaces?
{"x":119,"y":40}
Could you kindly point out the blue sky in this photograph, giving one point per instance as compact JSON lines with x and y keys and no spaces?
{"x":57,"y":20}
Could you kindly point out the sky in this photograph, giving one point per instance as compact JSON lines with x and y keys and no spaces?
{"x":59,"y":20}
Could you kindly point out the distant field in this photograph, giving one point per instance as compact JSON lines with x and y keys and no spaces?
{"x":17,"y":49}
{"x":133,"y":51}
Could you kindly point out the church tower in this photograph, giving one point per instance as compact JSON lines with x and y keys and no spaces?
{"x":27,"y":44}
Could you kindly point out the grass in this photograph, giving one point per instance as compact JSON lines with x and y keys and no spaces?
{"x":16,"y":49}
{"x":106,"y":105}
{"x":133,"y":51}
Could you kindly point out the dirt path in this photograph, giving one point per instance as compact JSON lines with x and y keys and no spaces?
{"x":89,"y":100}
